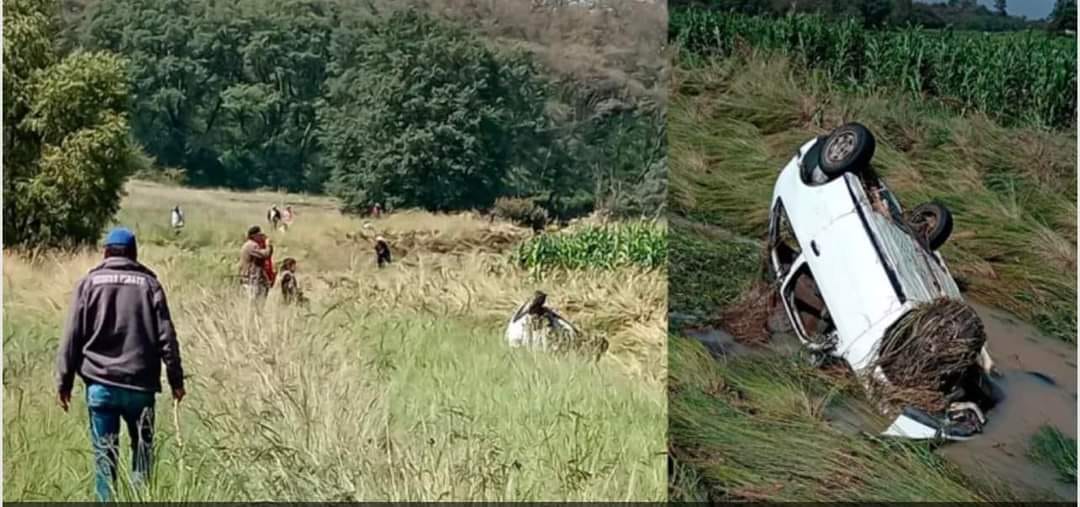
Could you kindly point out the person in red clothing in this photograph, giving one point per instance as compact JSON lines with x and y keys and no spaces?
{"x":256,"y":265}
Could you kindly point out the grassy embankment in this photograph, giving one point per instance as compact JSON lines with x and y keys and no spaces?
{"x":759,"y":427}
{"x":394,"y":385}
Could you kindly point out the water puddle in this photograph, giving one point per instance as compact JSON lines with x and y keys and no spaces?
{"x":1038,"y":384}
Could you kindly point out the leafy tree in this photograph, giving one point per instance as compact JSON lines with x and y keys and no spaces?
{"x":67,"y":150}
{"x":1001,"y":6}
{"x":422,"y":114}
{"x":1063,"y":17}
{"x":298,"y":93}
{"x":875,"y":12}
{"x":226,"y":90}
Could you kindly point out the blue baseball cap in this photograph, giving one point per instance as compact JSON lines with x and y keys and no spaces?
{"x":120,"y":236}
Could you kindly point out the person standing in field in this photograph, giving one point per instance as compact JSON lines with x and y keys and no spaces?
{"x":256,"y":265}
{"x":273,"y":215}
{"x":290,"y":287}
{"x":119,"y":331}
{"x":177,"y":218}
{"x":382,"y":251}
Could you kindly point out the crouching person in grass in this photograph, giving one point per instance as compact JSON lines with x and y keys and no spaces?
{"x":118,"y":333}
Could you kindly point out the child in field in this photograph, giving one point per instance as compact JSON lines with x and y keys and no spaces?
{"x":290,"y":287}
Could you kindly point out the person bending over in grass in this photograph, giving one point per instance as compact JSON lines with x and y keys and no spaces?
{"x":119,"y":331}
{"x":256,"y":266}
{"x":290,"y":288}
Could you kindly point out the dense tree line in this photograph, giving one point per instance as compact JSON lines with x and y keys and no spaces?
{"x":393,"y":107}
{"x":957,"y":14}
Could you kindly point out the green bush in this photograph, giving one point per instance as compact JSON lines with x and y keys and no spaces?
{"x":642,"y":244}
{"x":67,"y":149}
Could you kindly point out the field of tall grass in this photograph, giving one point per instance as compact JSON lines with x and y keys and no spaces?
{"x":394,"y":384}
{"x":762,"y":425}
{"x":1019,"y":77}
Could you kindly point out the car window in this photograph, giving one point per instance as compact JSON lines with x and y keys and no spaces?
{"x":803,"y":298}
{"x":783,"y":243}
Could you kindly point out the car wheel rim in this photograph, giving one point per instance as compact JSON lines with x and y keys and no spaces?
{"x":841,"y":147}
{"x":926,"y":219}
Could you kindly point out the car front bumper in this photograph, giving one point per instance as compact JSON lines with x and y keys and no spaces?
{"x":916,"y":424}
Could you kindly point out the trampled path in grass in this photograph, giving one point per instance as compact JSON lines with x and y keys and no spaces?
{"x":395,"y":384}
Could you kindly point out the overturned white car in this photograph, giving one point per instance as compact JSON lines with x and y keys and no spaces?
{"x":536,"y":326}
{"x":851,"y":266}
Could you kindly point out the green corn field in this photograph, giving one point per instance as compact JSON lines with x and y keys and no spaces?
{"x":1018,"y":78}
{"x":641,"y":244}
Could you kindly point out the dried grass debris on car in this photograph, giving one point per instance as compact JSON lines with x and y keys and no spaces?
{"x":929,"y":351}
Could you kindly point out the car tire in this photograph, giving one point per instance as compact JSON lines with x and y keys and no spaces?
{"x":849,"y":148}
{"x":935,"y":222}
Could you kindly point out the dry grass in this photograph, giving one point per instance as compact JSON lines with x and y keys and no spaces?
{"x":928,"y":351}
{"x":394,"y":385}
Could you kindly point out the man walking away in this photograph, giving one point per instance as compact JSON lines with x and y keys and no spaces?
{"x":255,"y":257}
{"x":119,"y":331}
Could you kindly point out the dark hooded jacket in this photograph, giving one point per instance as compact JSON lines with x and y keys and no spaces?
{"x":119,"y":331}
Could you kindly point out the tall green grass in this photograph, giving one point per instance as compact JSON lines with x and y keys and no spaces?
{"x":707,"y":271}
{"x":641,"y":244}
{"x":1020,"y":78}
{"x":395,"y":384}
{"x":734,"y":123}
{"x":1052,"y":448}
{"x":287,"y":412}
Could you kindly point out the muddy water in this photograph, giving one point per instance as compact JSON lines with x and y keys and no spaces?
{"x":1039,"y":386}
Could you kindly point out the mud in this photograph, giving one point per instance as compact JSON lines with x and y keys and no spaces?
{"x":1037,"y":385}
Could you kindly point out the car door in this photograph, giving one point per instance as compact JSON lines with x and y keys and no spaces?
{"x":787,"y":291}
{"x":849,"y":268}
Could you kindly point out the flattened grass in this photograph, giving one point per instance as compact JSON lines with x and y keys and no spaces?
{"x":734,"y":123}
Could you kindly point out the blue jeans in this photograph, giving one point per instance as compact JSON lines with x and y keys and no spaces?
{"x":108,"y":405}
